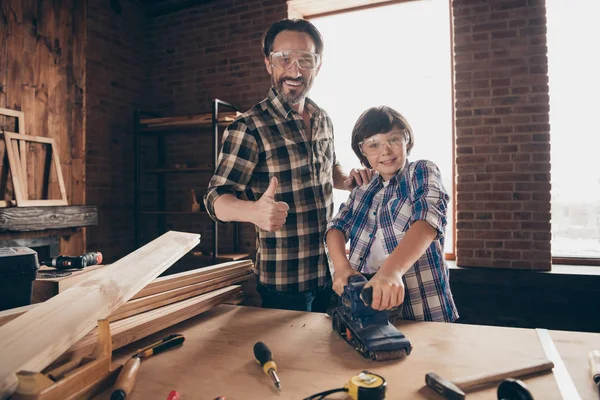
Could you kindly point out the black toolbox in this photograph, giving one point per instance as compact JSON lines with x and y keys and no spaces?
{"x":18,"y":270}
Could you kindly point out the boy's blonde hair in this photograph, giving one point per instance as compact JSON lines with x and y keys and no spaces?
{"x":379,"y":120}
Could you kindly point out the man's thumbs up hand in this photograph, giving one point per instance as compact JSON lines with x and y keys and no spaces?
{"x":269,"y":214}
{"x":270,"y":192}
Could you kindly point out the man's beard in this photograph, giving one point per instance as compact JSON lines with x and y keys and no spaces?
{"x":288,"y":97}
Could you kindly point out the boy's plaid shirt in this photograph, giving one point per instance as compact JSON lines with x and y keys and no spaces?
{"x":415,"y":193}
{"x":269,"y":140}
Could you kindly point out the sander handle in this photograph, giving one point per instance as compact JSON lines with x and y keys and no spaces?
{"x":490,"y":377}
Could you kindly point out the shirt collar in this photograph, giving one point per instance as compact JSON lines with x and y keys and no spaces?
{"x":283,"y":109}
{"x":394,"y":180}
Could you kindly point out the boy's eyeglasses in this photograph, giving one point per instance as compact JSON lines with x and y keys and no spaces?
{"x":285,"y":59}
{"x":374,"y":145}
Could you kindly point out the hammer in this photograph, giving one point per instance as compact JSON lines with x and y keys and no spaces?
{"x":454,"y":390}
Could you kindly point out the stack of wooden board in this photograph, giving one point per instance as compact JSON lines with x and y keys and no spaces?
{"x":187,"y":120}
{"x":168,"y":298}
{"x":128,"y":293}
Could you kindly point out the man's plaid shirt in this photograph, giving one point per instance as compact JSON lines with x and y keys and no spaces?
{"x":270,"y":140}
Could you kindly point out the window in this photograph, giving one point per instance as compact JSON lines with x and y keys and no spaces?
{"x":396,"y":55}
{"x":573,"y":61}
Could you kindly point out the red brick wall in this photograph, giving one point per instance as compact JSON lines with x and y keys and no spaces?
{"x":116,"y":84}
{"x":213,"y":51}
{"x":502,"y":134}
{"x":198,"y":54}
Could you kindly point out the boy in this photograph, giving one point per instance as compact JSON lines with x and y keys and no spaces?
{"x":395,"y":224}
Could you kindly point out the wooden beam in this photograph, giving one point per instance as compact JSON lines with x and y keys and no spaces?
{"x":161,"y":288}
{"x":174,"y":281}
{"x":130,"y":329}
{"x":154,"y":301}
{"x":35,"y":339}
{"x":9,"y":315}
{"x":26,"y":219}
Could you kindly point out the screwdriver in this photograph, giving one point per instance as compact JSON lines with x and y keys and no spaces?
{"x":265,"y":359}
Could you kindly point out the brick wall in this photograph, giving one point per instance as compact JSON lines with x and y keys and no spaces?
{"x":213,"y":51}
{"x":502,"y":134}
{"x":198,"y":54}
{"x":116,"y":85}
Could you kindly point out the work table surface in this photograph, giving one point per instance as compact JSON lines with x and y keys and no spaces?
{"x":216,"y":358}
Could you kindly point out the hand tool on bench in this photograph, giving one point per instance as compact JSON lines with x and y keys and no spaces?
{"x":513,"y":389}
{"x":126,"y":379}
{"x":265,"y":359}
{"x":79,"y":262}
{"x":455,"y":389}
{"x":594,"y":358}
{"x":173,"y":395}
{"x":366,"y":329}
{"x":364,"y":386}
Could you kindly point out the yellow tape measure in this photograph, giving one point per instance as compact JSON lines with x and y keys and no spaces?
{"x":366,"y":386}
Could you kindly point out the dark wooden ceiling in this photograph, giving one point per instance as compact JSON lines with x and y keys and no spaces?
{"x":155,"y":8}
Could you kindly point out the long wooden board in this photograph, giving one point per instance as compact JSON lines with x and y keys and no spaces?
{"x":233,"y":272}
{"x":147,"y":303}
{"x":9,"y":315}
{"x":35,"y":339}
{"x":130,"y":329}
{"x":174,"y":281}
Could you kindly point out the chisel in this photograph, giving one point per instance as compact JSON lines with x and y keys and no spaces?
{"x":126,"y":378}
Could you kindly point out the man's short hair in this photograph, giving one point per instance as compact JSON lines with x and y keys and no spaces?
{"x":379,"y":120}
{"x":297,"y":25}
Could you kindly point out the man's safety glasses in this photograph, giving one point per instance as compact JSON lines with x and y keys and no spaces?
{"x":374,"y":145}
{"x":285,"y":59}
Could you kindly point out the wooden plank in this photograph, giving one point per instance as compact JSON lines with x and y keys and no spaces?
{"x":23,"y":161}
{"x":52,"y":287}
{"x":15,"y":168}
{"x":29,"y":219}
{"x":148,"y":303}
{"x":130,"y":329}
{"x":44,"y":289}
{"x":36,"y":338}
{"x":138,"y":305}
{"x":174,"y":281}
{"x":188,"y":120}
{"x":9,"y":315}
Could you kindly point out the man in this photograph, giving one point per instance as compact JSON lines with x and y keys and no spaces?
{"x":280,"y":154}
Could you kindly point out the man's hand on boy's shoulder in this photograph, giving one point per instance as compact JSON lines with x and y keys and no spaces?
{"x":358,"y":177}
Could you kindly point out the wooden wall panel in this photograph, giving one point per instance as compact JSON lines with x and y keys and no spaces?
{"x":42,"y":73}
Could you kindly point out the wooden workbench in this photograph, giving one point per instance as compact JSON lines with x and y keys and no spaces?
{"x":217,"y":359}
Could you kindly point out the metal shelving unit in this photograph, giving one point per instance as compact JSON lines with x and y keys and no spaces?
{"x":161,"y":127}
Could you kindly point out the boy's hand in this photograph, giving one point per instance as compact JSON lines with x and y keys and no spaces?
{"x":341,"y":276}
{"x":269,"y":214}
{"x":358,"y":177}
{"x":388,"y":289}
